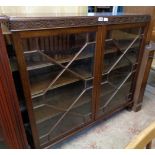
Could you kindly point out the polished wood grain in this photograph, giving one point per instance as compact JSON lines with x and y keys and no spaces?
{"x":123,"y":26}
{"x":10,"y":116}
{"x":98,"y":66}
{"x":48,"y":22}
{"x":139,"y":74}
{"x":145,"y":69}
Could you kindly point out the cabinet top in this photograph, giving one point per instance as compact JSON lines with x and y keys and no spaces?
{"x":22,"y":22}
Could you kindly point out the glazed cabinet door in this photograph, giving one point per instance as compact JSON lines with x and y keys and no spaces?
{"x":121,"y":53}
{"x":57,"y":67}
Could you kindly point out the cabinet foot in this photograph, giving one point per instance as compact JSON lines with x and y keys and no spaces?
{"x":137,"y":108}
{"x":129,"y":108}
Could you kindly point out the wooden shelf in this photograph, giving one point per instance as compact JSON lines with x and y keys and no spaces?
{"x":35,"y":60}
{"x":41,"y":64}
{"x":129,"y":58}
{"x":83,"y":68}
{"x":83,"y":55}
{"x":56,"y":104}
{"x":38,"y":65}
{"x":45,"y":112}
{"x":31,"y":65}
{"x":118,"y":66}
{"x":61,"y":59}
{"x":122,"y":46}
{"x":57,"y":96}
{"x":84,"y":72}
{"x":39,"y":84}
{"x":30,"y":52}
{"x":68,"y":96}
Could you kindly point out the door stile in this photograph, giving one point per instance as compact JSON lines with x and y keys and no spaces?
{"x":26,"y":85}
{"x":99,"y":54}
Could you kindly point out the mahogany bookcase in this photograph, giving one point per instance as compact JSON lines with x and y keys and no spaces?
{"x":75,"y":70}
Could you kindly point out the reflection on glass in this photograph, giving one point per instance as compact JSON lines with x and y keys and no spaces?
{"x":60,"y":70}
{"x":119,"y":99}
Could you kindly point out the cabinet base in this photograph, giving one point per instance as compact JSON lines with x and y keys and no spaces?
{"x":129,"y":108}
{"x":137,"y":108}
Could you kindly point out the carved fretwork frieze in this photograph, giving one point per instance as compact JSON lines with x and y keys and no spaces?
{"x":17,"y":24}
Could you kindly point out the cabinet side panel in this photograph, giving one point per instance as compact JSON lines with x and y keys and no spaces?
{"x":25,"y":83}
{"x":139,"y":89}
{"x":10,"y":115}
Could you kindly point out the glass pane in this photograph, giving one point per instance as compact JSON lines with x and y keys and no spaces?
{"x":85,"y":66}
{"x":110,"y":100}
{"x":121,"y":53}
{"x":120,"y":40}
{"x":118,"y":74}
{"x":64,"y":121}
{"x":109,"y":60}
{"x":60,"y":70}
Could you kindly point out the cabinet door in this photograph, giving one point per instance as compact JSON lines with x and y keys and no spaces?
{"x":120,"y":61}
{"x":59,"y":66}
